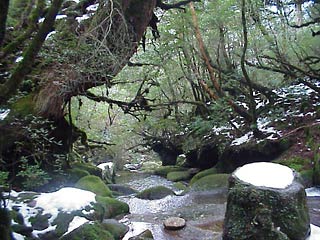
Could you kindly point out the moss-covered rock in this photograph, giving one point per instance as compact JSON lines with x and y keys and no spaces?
{"x":118,"y":230}
{"x":122,"y":189}
{"x":203,"y":174}
{"x":40,"y":222}
{"x":296,"y":163}
{"x":94,"y":184}
{"x":62,"y":222}
{"x":180,"y":186}
{"x":89,"y":231}
{"x":107,"y":207}
{"x":153,"y":193}
{"x":164,"y":170}
{"x":179,"y":176}
{"x":93,"y":170}
{"x":75,"y":174}
{"x":267,"y":213}
{"x":211,"y":182}
{"x":5,"y":222}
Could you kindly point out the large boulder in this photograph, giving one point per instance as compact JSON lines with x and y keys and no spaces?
{"x":94,"y":184}
{"x":266,"y":201}
{"x":156,"y":192}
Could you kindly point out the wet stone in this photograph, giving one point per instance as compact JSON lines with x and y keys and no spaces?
{"x":174,"y":223}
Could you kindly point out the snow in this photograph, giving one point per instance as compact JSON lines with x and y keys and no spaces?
{"x":93,"y":8}
{"x":50,"y":34}
{"x":18,"y":236}
{"x":315,"y":233}
{"x":313,"y":192}
{"x":66,"y":199}
{"x":4,"y":113}
{"x":18,"y":59}
{"x":84,"y":17}
{"x":264,"y":174}
{"x":245,"y":138}
{"x":75,"y":223}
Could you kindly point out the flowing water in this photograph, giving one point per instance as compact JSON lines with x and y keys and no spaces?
{"x":204,"y":211}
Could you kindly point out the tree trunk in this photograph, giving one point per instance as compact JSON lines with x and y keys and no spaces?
{"x":30,"y":54}
{"x":136,"y":15}
{"x":4,"y":6}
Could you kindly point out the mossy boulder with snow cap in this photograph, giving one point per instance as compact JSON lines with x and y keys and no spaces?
{"x":95,"y":185}
{"x":266,"y":201}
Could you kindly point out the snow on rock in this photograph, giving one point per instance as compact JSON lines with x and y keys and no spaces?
{"x":84,"y":17}
{"x":264,"y":174}
{"x":18,"y":236}
{"x":313,"y":192}
{"x":245,"y":138}
{"x":66,"y":200}
{"x":315,"y":233}
{"x":4,"y":113}
{"x":76,"y":222}
{"x":18,"y":59}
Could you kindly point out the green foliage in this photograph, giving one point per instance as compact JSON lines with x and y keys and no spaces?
{"x":33,"y":176}
{"x":4,"y":178}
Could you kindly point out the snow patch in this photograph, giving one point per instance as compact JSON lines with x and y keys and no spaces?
{"x":18,"y":59}
{"x":264,"y":174}
{"x":313,"y":192}
{"x":18,"y":236}
{"x":84,"y":17}
{"x":93,"y":8}
{"x":75,"y":223}
{"x":66,"y":200}
{"x":4,"y":113}
{"x":245,"y":138}
{"x":315,"y":233}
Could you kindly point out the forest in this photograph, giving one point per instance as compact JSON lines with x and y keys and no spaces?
{"x":175,"y":88}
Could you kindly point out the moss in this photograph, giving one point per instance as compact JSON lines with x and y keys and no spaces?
{"x":211,"y":182}
{"x":118,"y":230}
{"x":17,"y":217}
{"x":306,"y":176}
{"x":75,"y":174}
{"x":24,"y":106}
{"x":296,"y":163}
{"x":62,"y":222}
{"x":316,"y":173}
{"x":153,"y":193}
{"x":107,"y":207}
{"x":180,"y":186}
{"x":179,"y":176}
{"x":5,"y":224}
{"x":89,"y":231}
{"x":164,"y":170}
{"x":203,"y":174}
{"x":94,"y":184}
{"x":93,"y":170}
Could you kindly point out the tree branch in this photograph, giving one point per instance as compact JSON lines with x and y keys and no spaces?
{"x":178,"y":5}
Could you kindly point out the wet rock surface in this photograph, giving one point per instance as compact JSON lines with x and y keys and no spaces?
{"x":174,"y":223}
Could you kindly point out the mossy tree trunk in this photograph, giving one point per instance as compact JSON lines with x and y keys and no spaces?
{"x":25,"y":66}
{"x":4,"y":6}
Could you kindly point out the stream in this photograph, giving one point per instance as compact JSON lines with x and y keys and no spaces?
{"x":204,"y":211}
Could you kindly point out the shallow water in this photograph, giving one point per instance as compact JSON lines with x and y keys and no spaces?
{"x":203,"y":211}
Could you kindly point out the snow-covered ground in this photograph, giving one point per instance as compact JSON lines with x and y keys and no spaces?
{"x":64,"y":200}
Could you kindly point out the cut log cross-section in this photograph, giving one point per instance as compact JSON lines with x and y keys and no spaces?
{"x":266,"y":201}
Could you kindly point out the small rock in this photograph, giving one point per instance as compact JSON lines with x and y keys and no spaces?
{"x":174,"y":223}
{"x":145,"y":235}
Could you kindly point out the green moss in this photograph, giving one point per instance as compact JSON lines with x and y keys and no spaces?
{"x":107,"y":207}
{"x":94,"y":184}
{"x":24,"y":106}
{"x":306,"y":176}
{"x":93,"y":170}
{"x":164,"y":170}
{"x":118,"y":230}
{"x":296,"y":163}
{"x":75,"y":174}
{"x":211,"y":182}
{"x":180,"y":186}
{"x":157,"y":192}
{"x":5,"y":224}
{"x":62,"y":222}
{"x":203,"y":174}
{"x":89,"y":231}
{"x":179,"y":176}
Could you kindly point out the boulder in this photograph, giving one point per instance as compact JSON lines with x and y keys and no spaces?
{"x":118,"y":230}
{"x":94,"y":184}
{"x":122,"y":189}
{"x":153,"y":193}
{"x":107,"y":207}
{"x":164,"y":170}
{"x":203,"y":174}
{"x":179,"y":176}
{"x":145,"y":235}
{"x":88,"y":231}
{"x":211,"y":182}
{"x":266,"y":201}
{"x":174,"y":223}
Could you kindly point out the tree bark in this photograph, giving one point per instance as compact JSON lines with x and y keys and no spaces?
{"x":4,"y":6}
{"x":30,"y":54}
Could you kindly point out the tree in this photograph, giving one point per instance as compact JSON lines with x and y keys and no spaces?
{"x":4,"y":6}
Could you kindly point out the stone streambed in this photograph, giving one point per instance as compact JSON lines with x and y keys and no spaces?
{"x":203,"y":210}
